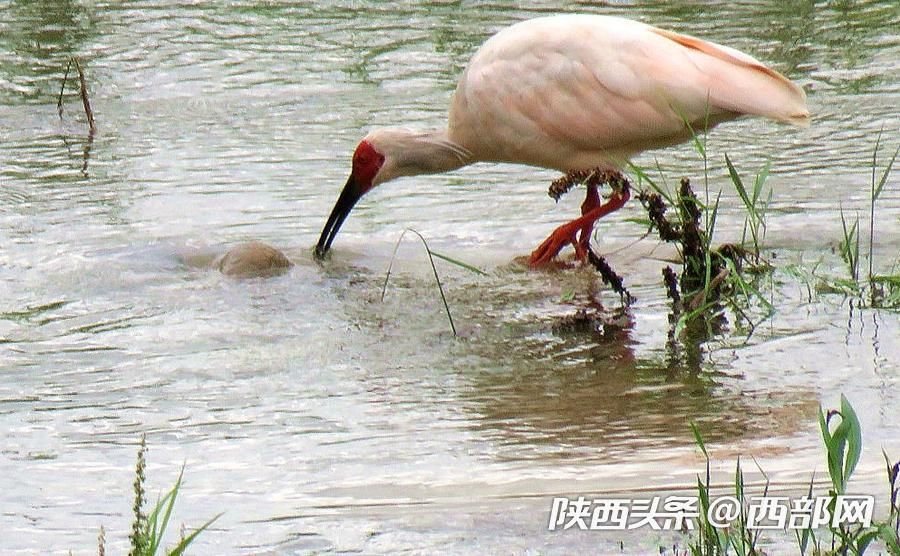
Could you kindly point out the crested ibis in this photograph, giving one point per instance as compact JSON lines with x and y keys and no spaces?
{"x":575,"y":92}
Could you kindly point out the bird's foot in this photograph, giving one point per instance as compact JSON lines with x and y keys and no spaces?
{"x":567,"y":234}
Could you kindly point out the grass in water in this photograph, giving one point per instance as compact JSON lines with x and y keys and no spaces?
{"x":885,"y":289}
{"x":148,"y":530}
{"x":431,"y":256}
{"x":842,"y":440}
{"x":711,"y":277}
{"x":729,"y":276}
{"x":880,"y":291}
{"x":849,"y":246}
{"x":756,"y":207}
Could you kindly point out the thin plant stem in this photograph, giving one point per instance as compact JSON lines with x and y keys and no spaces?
{"x":433,"y":269}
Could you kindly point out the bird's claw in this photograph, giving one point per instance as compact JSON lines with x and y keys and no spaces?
{"x":567,"y":234}
{"x":591,"y":210}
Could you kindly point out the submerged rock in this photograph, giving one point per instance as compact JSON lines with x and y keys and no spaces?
{"x":252,"y":259}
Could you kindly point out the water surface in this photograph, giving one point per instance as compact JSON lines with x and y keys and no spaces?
{"x":320,"y":418}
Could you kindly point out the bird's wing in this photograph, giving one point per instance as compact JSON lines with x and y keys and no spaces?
{"x":740,"y":83}
{"x":554,"y":91}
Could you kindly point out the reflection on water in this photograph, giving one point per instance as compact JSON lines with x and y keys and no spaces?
{"x":557,"y":381}
{"x":322,"y":418}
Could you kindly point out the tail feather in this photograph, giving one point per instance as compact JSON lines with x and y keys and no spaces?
{"x":742,"y":84}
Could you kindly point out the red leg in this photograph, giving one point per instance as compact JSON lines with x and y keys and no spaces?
{"x":567,"y":233}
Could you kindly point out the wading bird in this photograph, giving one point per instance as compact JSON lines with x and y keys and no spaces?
{"x":571,"y":93}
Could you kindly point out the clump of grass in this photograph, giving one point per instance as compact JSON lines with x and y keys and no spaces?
{"x":740,"y":538}
{"x":148,"y":530}
{"x":754,"y":204}
{"x":688,"y":236}
{"x":883,"y":287}
{"x":711,"y":540}
{"x":842,"y":439}
{"x":711,"y":277}
{"x":876,"y":290}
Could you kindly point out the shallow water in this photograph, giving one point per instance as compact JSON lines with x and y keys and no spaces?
{"x":321,"y":419}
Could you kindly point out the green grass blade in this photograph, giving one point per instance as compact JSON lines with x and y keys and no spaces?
{"x":695,"y":139}
{"x":662,"y":175}
{"x":457,"y":262}
{"x":431,"y":256}
{"x":711,"y":228}
{"x":761,"y":178}
{"x":888,"y":535}
{"x":643,"y":176}
{"x":179,"y":549}
{"x":807,"y":533}
{"x":854,"y":437}
{"x":699,"y":439}
{"x":849,"y":245}
{"x":156,"y":527}
{"x":738,"y":184}
{"x":643,"y":222}
{"x":864,"y":539}
{"x":438,"y":280}
{"x":876,"y":192}
{"x":152,"y":532}
{"x":748,"y":289}
{"x":173,"y":494}
{"x":686,"y":318}
{"x":387,"y":275}
{"x":832,"y":455}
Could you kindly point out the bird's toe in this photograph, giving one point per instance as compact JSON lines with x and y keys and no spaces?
{"x":547,"y":251}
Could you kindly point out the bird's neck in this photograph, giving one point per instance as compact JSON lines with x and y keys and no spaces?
{"x":429,"y":152}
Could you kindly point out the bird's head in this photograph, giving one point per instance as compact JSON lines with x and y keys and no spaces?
{"x":383,"y":155}
{"x":366,"y":173}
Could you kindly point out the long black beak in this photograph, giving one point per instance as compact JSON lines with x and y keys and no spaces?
{"x":351,"y":193}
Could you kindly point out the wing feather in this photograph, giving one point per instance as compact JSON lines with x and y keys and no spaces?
{"x":570,"y":91}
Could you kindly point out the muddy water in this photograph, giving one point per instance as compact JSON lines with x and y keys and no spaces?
{"x":320,"y":418}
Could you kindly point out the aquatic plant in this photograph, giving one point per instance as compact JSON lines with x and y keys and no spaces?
{"x":711,"y":277}
{"x":437,"y":279}
{"x":849,"y":247}
{"x":875,"y":290}
{"x":754,"y":204}
{"x":148,"y":530}
{"x":885,"y":289}
{"x":842,"y":439}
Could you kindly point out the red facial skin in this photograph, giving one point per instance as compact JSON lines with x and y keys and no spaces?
{"x":366,"y":163}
